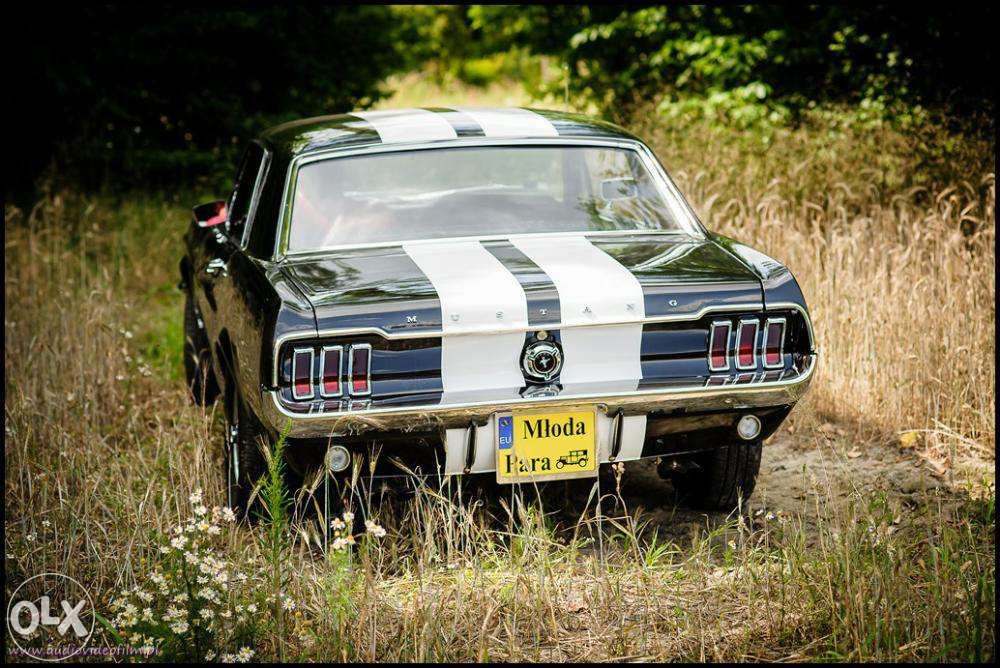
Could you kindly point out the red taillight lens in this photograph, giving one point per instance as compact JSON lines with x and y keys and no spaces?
{"x":718,"y":346}
{"x":360,"y":369}
{"x":330,"y":371}
{"x":302,"y":373}
{"x":746,"y":345}
{"x":774,"y":337}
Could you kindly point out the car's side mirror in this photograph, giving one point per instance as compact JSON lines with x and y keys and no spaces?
{"x":210,"y":214}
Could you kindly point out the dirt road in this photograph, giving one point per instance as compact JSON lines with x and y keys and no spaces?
{"x":800,"y":478}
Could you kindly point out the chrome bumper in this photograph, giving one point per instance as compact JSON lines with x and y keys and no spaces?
{"x":430,"y":418}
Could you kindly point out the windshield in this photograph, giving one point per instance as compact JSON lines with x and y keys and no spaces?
{"x":475,"y":191}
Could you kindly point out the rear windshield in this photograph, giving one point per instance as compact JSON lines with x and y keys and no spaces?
{"x":476,"y":191}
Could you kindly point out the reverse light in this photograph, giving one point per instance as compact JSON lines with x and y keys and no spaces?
{"x":302,"y":373}
{"x":748,"y":427}
{"x":338,"y":458}
{"x":359,"y":369}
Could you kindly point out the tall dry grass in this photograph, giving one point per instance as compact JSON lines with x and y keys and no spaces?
{"x":103,"y":450}
{"x":898,"y":270}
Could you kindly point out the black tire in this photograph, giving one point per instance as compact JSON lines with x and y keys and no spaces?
{"x":722,"y":478}
{"x":244,"y":461}
{"x":197,"y":359}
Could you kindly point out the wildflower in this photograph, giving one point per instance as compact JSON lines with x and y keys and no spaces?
{"x":337,"y":524}
{"x":46,"y":523}
{"x":210,"y":655}
{"x":252,"y":608}
{"x":207,"y":613}
{"x":214,"y":530}
{"x":228,"y":514}
{"x":147,"y":614}
{"x":178,"y":542}
{"x":374,"y":529}
{"x":179,"y":627}
{"x":144,"y":595}
{"x":348,"y":516}
{"x":244,"y":655}
{"x":287,"y":603}
{"x":200,"y":509}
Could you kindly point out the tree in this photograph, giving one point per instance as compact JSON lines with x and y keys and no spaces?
{"x":166,"y":95}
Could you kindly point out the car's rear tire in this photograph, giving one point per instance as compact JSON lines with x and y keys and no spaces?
{"x":244,"y":461}
{"x":198,"y":371}
{"x":720,"y":479}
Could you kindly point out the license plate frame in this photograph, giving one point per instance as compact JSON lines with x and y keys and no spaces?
{"x":542,"y":448}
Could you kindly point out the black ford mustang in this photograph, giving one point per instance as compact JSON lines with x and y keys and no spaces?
{"x":484,"y":290}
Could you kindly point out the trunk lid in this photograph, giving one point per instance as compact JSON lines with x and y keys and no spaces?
{"x":386,"y":289}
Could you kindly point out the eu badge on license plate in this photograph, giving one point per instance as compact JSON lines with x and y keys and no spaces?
{"x":536,"y":446}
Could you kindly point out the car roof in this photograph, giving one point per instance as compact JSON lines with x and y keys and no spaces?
{"x":361,"y":128}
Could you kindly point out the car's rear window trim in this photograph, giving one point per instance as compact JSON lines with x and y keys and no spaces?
{"x":692,"y":227}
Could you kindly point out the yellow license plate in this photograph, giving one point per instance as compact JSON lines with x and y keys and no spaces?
{"x":536,"y":446}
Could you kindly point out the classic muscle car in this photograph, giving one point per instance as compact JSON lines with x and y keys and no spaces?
{"x":484,"y":291}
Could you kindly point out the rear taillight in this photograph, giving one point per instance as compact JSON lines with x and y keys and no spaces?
{"x":774,"y":339}
{"x":327,"y":378}
{"x":360,"y":369}
{"x":302,"y":373}
{"x":331,"y":370}
{"x":718,"y":346}
{"x":746,"y":344}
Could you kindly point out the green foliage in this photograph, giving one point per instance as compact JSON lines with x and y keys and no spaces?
{"x":277,"y":502}
{"x":169,"y":96}
{"x":753,"y":65}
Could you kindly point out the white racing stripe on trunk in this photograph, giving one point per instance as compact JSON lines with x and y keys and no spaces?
{"x":594,"y":289}
{"x":399,"y":125}
{"x":478,"y":295}
{"x":510,"y":122}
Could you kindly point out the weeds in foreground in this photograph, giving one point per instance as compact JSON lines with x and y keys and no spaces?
{"x":865,"y":584}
